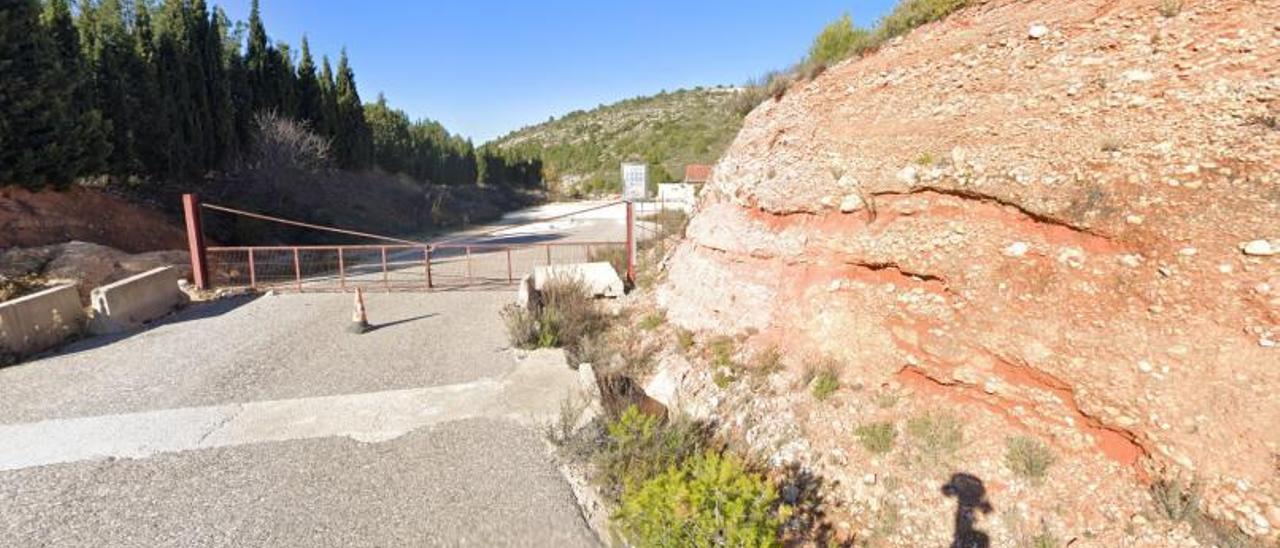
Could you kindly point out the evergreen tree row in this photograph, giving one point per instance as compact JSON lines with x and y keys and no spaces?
{"x":169,"y":90}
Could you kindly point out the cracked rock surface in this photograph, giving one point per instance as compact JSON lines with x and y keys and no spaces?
{"x":1054,"y":236}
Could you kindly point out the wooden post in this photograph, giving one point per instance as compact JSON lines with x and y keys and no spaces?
{"x":253,"y":276}
{"x":510,"y":276}
{"x":385,"y":283}
{"x":195,"y":241}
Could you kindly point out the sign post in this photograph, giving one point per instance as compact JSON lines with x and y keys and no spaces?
{"x":634,"y":179}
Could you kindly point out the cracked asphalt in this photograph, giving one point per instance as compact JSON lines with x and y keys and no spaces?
{"x":477,"y":480}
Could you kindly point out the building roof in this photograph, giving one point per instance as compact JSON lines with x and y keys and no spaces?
{"x":697,"y":173}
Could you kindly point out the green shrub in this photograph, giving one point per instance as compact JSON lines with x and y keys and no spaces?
{"x":709,"y":500}
{"x":1028,"y":457}
{"x":876,"y":437}
{"x":639,"y":447}
{"x":838,"y":41}
{"x":653,"y":321}
{"x":936,"y":435}
{"x":909,"y":14}
{"x":824,"y":385}
{"x":1179,"y":501}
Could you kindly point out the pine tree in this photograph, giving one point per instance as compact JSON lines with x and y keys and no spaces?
{"x":353,"y":142}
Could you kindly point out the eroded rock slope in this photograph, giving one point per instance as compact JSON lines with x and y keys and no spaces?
{"x":1073,"y":235}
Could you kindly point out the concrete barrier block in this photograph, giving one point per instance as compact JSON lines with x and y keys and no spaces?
{"x":40,"y":321}
{"x":135,"y":300}
{"x":600,"y":278}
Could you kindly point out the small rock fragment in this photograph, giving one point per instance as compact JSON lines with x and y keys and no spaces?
{"x":1017,"y":249}
{"x":1259,"y":248}
{"x":1037,"y":31}
{"x":851,"y":203}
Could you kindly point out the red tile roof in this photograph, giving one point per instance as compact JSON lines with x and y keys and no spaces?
{"x":697,"y":173}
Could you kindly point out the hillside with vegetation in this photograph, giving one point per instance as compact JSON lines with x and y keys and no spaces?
{"x":581,"y":151}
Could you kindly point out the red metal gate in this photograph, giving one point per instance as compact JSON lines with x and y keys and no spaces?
{"x":476,"y":262}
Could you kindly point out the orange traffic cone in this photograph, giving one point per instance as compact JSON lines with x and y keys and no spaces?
{"x":359,"y":320}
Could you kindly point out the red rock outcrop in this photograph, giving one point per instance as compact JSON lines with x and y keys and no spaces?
{"x":1077,"y":234}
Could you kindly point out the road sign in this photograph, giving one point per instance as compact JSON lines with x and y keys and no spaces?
{"x":634,"y":177}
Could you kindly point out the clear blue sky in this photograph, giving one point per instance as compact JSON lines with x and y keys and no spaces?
{"x":483,"y":68}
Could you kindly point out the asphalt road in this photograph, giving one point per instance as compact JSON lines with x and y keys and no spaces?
{"x":262,"y":422}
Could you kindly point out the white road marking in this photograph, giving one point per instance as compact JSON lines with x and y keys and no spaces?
{"x":531,"y":392}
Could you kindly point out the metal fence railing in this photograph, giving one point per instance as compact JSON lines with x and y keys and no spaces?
{"x":343,"y":267}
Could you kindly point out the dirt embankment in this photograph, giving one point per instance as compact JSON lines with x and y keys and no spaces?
{"x":31,"y":219}
{"x":1053,"y":219}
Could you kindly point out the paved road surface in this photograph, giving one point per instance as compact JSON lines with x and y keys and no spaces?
{"x":261,"y":422}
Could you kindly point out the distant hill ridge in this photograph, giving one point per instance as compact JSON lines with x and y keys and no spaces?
{"x":581,"y":151}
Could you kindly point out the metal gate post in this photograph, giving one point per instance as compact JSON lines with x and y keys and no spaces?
{"x":253,"y":277}
{"x":510,"y":278}
{"x":195,"y":240}
{"x":297,"y":270}
{"x":548,"y":254}
{"x":427,"y":257}
{"x":631,"y":243}
{"x":342,"y":271}
{"x":468,"y":264}
{"x":385,"y":284}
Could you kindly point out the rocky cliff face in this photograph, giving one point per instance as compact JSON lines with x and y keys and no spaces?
{"x":1058,"y":219}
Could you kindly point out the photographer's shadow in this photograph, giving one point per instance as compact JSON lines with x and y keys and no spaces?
{"x":971,"y":497}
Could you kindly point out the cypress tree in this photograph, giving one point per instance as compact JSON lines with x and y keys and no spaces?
{"x":222,"y":118}
{"x":328,"y":125}
{"x":85,"y":146}
{"x":353,"y":142}
{"x":260,"y":64}
{"x":310,"y":107}
{"x":152,"y":117}
{"x":34,"y":101}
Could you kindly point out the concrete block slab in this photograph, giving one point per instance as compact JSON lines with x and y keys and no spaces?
{"x":600,"y":278}
{"x":135,"y":300}
{"x":40,"y":321}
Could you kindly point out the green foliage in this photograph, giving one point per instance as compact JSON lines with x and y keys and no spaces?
{"x":638,"y":447}
{"x":581,"y":152}
{"x":876,"y":437}
{"x":1028,"y":457}
{"x":164,"y":89}
{"x":709,"y":500}
{"x":1179,"y":501}
{"x":653,"y":321}
{"x":837,"y":41}
{"x":824,"y":385}
{"x":936,"y":435}
{"x":840,"y":40}
{"x":909,"y":14}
